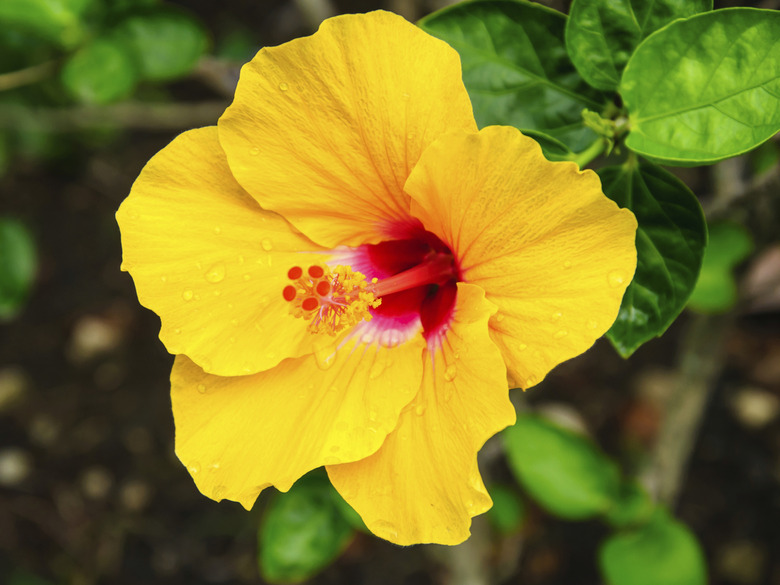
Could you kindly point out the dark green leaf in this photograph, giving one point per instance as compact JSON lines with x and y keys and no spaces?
{"x":57,"y":21}
{"x":516,"y":68}
{"x":633,"y":507}
{"x":716,"y":290}
{"x":101,"y":72}
{"x":349,"y":513}
{"x":18,"y":264}
{"x":553,"y":149}
{"x":564,"y":472}
{"x":601,"y":35}
{"x":669,"y":244}
{"x":508,"y":511}
{"x":663,"y":552}
{"x":302,"y":533}
{"x":706,"y":88}
{"x":765,"y":157}
{"x":167,"y":43}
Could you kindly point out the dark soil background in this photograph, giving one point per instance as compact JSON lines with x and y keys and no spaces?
{"x":91,"y":492}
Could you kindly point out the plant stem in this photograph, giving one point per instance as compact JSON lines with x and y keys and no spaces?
{"x":586,"y":156}
{"x":26,"y":76}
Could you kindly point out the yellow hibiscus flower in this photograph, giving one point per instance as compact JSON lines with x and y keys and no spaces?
{"x":348,"y":271}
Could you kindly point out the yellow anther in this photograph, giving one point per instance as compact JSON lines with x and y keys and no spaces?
{"x":330,"y":299}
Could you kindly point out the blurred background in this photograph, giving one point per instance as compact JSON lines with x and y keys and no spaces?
{"x":90,"y":489}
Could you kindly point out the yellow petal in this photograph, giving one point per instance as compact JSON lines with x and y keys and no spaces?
{"x":423,"y":485}
{"x":539,"y":237}
{"x":239,"y":435}
{"x":325,"y":129}
{"x":210,"y":262}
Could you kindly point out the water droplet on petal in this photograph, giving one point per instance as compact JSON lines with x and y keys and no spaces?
{"x":202,"y":388}
{"x":615,"y":279}
{"x":187,"y":295}
{"x":217,"y":230}
{"x":325,"y":356}
{"x":556,"y":315}
{"x":284,"y":86}
{"x":593,"y":324}
{"x":335,"y":449}
{"x":560,"y":334}
{"x":194,"y":468}
{"x":450,"y":372}
{"x":376,"y":369}
{"x":247,"y":277}
{"x":419,"y":410}
{"x":164,"y":278}
{"x":385,"y":529}
{"x":254,"y":151}
{"x":567,"y":264}
{"x":499,"y":317}
{"x":216,"y":273}
{"x":522,"y":346}
{"x":530,"y":381}
{"x":266,"y":244}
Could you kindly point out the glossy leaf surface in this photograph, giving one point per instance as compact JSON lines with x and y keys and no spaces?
{"x":18,"y":264}
{"x":303,"y":532}
{"x":670,"y":244}
{"x":706,"y":88}
{"x":601,"y":35}
{"x":663,"y":552}
{"x":58,"y":21}
{"x":516,"y":68}
{"x":563,"y":471}
{"x":716,"y":289}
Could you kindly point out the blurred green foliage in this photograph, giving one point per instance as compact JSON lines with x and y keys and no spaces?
{"x":18,"y":263}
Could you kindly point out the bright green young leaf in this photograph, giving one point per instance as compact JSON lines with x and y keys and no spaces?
{"x":716,"y":290}
{"x":662,"y":552}
{"x":302,"y":533}
{"x":563,"y":471}
{"x":601,"y":35}
{"x":57,"y":21}
{"x":553,"y":149}
{"x":18,"y":264}
{"x":669,"y":244}
{"x":508,"y":512}
{"x":167,"y":43}
{"x":633,"y":507}
{"x":706,"y":88}
{"x":515,"y":67}
{"x":101,"y":72}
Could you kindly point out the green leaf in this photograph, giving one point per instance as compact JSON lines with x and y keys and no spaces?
{"x":663,"y":552}
{"x":58,"y":21}
{"x":601,"y":35}
{"x":553,"y":149}
{"x":101,"y":72}
{"x":633,"y":507}
{"x":706,"y":88}
{"x":303,"y":531}
{"x":563,"y":471}
{"x":670,"y":244}
{"x":716,"y":291}
{"x":515,"y":67}
{"x":508,"y":512}
{"x":166,"y":43}
{"x":18,"y":264}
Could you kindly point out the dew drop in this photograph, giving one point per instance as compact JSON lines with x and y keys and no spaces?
{"x":372,"y":416}
{"x":615,"y":279}
{"x":266,"y":244}
{"x":419,"y":410}
{"x":560,"y":334}
{"x":187,"y":295}
{"x":567,"y":264}
{"x":241,"y":259}
{"x":254,"y":151}
{"x":385,"y":530}
{"x":216,"y":273}
{"x":556,"y":315}
{"x":194,"y":468}
{"x":335,"y":449}
{"x":593,"y":324}
{"x":202,"y":388}
{"x":247,"y":277}
{"x":406,"y":96}
{"x":499,"y":317}
{"x":522,"y":347}
{"x":217,"y":230}
{"x":325,"y":356}
{"x":234,"y":322}
{"x":177,"y":330}
{"x":376,"y":369}
{"x":284,"y":86}
{"x":164,"y":278}
{"x":214,"y":465}
{"x":450,"y":373}
{"x":530,"y":381}
{"x":367,"y":338}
